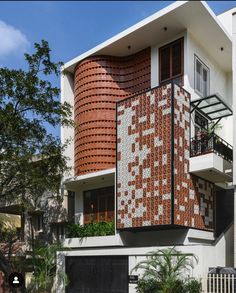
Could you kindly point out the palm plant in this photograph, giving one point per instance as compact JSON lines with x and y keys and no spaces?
{"x":44,"y":264}
{"x":168,"y":267}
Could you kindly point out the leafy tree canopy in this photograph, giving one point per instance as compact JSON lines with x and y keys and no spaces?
{"x":31,"y":159}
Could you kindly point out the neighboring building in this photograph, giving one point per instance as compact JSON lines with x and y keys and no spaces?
{"x":144,"y":153}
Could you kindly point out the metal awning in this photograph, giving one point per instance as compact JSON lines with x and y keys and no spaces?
{"x":212,"y":107}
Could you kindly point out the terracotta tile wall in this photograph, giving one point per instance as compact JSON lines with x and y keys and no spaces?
{"x":144,"y":160}
{"x":194,"y":197}
{"x":144,"y":135}
{"x":100,"y":81}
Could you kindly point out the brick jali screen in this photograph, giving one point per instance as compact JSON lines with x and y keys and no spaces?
{"x":154,"y":186}
{"x":100,"y":81}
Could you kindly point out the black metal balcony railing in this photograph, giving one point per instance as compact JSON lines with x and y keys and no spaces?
{"x":209,"y":143}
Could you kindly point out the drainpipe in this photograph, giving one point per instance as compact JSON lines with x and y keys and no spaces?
{"x":234,"y":123}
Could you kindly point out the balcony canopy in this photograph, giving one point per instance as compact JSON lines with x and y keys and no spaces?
{"x":212,"y":107}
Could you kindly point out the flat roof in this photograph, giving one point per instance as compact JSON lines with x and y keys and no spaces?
{"x":193,"y":16}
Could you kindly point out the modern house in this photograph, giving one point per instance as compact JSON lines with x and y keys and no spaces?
{"x":147,"y":152}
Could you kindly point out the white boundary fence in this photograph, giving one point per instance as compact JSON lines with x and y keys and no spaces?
{"x":221,"y":283}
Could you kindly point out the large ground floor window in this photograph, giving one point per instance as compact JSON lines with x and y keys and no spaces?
{"x":99,"y":205}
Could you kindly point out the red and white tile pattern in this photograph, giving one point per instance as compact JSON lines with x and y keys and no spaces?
{"x":194,"y":197}
{"x":143,"y":161}
{"x":144,"y":164}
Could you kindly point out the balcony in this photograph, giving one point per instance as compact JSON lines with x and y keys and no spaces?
{"x":211,"y":143}
{"x":211,"y":158}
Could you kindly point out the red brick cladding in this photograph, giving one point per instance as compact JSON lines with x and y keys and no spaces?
{"x":194,"y":197}
{"x":100,"y":81}
{"x":144,"y":156}
{"x":144,"y":160}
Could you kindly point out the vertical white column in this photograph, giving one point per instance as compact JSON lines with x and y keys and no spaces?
{"x":234,"y":124}
{"x":154,"y":66}
{"x":67,"y":133}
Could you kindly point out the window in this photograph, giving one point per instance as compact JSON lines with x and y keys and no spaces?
{"x":71,"y":206}
{"x":99,"y":205}
{"x":201,"y":78}
{"x":37,"y":222}
{"x":171,"y":62}
{"x":40,"y":222}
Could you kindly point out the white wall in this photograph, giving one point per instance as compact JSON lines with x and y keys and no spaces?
{"x":218,"y":78}
{"x":67,"y":95}
{"x":208,"y":256}
{"x":220,"y":81}
{"x":226,"y":19}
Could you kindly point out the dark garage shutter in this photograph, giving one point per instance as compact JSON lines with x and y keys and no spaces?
{"x":97,"y":274}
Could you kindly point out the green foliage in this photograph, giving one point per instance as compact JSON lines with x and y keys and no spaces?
{"x":31,"y":158}
{"x":8,"y":234}
{"x":44,"y":263}
{"x":193,"y":286}
{"x":165,"y":271}
{"x":147,"y":285}
{"x":92,"y":229}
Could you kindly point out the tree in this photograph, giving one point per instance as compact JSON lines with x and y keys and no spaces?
{"x":166,"y":271}
{"x":31,"y":159}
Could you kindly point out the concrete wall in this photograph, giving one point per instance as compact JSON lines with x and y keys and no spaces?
{"x":208,"y":256}
{"x":226,"y":19}
{"x":67,"y":133}
{"x":220,"y":82}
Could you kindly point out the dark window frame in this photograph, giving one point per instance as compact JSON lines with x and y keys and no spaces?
{"x":71,"y":206}
{"x":97,"y":213}
{"x":181,"y":74}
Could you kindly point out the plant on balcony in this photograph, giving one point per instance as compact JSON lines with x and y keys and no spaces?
{"x":90,"y":230}
{"x":166,"y":271}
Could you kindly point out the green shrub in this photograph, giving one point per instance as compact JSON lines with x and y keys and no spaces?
{"x":178,"y":286}
{"x":164,"y":271}
{"x":147,"y":286}
{"x":193,"y":286}
{"x":92,"y":229}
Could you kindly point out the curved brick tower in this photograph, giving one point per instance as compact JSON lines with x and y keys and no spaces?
{"x":100,"y":81}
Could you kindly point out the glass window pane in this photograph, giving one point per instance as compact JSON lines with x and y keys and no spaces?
{"x":165,"y":63}
{"x":198,"y":75}
{"x":205,"y":83}
{"x":99,"y":205}
{"x":201,"y":78}
{"x":176,"y":59}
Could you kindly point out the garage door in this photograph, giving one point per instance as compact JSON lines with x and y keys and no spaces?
{"x":97,"y":274}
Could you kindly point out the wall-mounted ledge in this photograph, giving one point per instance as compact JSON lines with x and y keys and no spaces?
{"x":97,"y":241}
{"x":199,"y":236}
{"x":72,"y":183}
{"x":211,"y":167}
